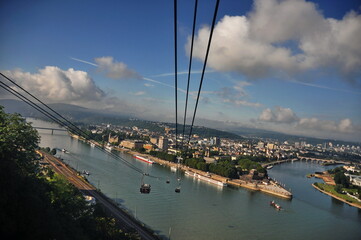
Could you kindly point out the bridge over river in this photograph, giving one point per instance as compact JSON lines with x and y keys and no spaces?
{"x":51,"y":129}
{"x":307,"y":159}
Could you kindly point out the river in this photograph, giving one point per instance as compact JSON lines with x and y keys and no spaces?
{"x":205,"y":211}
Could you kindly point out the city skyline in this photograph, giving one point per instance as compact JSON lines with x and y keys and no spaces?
{"x":289,"y":66}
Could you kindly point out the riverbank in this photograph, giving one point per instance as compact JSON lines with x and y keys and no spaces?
{"x":357,"y":205}
{"x":123,"y":218}
{"x":272,"y":188}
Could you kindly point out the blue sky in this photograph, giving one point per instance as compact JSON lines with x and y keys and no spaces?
{"x":291,"y":66}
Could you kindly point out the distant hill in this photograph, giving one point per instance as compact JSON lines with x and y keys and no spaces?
{"x":71,"y":112}
{"x":90,"y":116}
{"x":282,"y":137}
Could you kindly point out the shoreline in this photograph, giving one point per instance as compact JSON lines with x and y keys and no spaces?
{"x":336,"y":197}
{"x":272,"y":189}
{"x":123,"y":217}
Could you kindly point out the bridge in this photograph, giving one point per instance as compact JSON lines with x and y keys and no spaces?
{"x":52,"y":129}
{"x":307,"y":159}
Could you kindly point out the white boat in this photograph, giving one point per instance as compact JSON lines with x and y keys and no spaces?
{"x":173,"y":169}
{"x":64,"y":150}
{"x":109,"y":148}
{"x":92,"y":144}
{"x":270,"y":167}
{"x":206,"y":179}
{"x":143,"y":159}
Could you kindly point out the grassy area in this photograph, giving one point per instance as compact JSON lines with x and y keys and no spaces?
{"x":330,"y":189}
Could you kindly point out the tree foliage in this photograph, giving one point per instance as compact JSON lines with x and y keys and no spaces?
{"x":340,"y":178}
{"x":35,"y":203}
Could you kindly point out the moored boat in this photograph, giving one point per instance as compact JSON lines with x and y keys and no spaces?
{"x":143,"y":159}
{"x":206,"y":179}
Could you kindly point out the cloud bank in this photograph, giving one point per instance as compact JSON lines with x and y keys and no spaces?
{"x":288,"y":120}
{"x":259,"y":43}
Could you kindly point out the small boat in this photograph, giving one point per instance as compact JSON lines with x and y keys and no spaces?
{"x":64,"y":150}
{"x":275,"y":205}
{"x":167,"y":181}
{"x":173,"y":169}
{"x":92,"y":144}
{"x":177,"y":190}
{"x":86,"y":173}
{"x":269,"y":167}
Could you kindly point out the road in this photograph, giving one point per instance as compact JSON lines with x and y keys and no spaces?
{"x":88,"y":189}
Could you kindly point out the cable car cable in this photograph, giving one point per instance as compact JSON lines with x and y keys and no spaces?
{"x":204,"y":68}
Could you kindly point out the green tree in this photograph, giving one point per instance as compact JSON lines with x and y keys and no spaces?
{"x":18,"y":142}
{"x":39,"y":204}
{"x":340,"y":178}
{"x":338,"y":188}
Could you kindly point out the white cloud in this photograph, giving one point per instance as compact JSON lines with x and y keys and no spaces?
{"x":256,"y":44}
{"x":115,"y":70}
{"x":57,"y":85}
{"x":278,"y":115}
{"x":344,"y":126}
{"x":54,"y":85}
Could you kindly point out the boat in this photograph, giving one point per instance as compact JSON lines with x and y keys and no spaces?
{"x":143,"y":159}
{"x":92,"y":144}
{"x":206,"y":179}
{"x":64,"y":150}
{"x":275,"y":205}
{"x":86,"y":173}
{"x":269,"y":167}
{"x":173,"y":169}
{"x":108,"y":148}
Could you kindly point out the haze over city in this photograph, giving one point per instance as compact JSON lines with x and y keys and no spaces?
{"x":290,"y":66}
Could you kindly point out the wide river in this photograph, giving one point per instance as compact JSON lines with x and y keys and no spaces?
{"x":205,"y":211}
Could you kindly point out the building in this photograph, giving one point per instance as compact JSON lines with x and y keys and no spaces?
{"x":271,"y":146}
{"x":260,"y":145}
{"x":354,"y":179}
{"x":148,"y":147}
{"x":215,"y":141}
{"x":163,"y":143}
{"x":113,"y":139}
{"x":154,"y":140}
{"x":130,"y":144}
